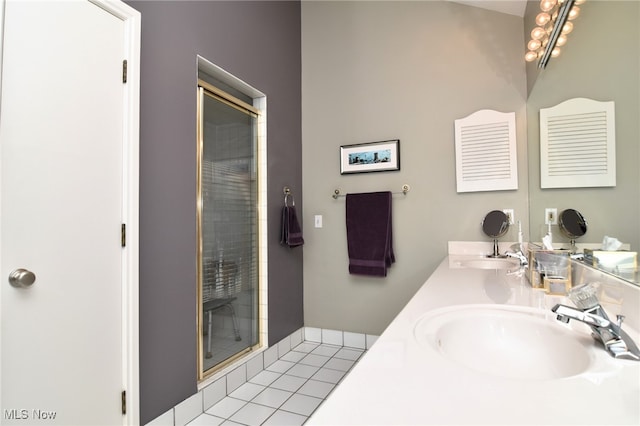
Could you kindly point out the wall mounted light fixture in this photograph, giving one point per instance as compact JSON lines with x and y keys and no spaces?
{"x":553,"y":23}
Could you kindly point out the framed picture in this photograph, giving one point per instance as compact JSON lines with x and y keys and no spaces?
{"x":370,"y":157}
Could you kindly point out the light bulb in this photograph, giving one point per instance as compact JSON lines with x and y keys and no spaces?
{"x":534,"y":44}
{"x":547,"y":5}
{"x":562,"y":39}
{"x":530,"y":56}
{"x":573,"y":13}
{"x":537,"y":33}
{"x":567,"y":28}
{"x":555,"y":52}
{"x":543,"y":18}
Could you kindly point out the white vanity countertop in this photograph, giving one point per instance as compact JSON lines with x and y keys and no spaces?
{"x":400,"y":381}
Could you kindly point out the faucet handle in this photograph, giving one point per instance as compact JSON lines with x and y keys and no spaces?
{"x":620,"y":318}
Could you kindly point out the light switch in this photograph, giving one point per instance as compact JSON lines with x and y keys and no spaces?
{"x":318,"y":221}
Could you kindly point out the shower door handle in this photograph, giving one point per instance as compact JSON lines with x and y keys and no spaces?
{"x":22,"y":278}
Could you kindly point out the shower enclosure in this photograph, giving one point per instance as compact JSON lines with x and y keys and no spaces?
{"x":227,"y":227}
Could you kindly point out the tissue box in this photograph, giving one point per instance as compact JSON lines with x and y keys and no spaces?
{"x":550,"y":270}
{"x":612,"y":261}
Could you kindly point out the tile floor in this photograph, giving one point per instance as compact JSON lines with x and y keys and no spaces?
{"x":288,"y":391}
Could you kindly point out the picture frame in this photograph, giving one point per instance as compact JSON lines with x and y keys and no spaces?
{"x":379,"y":156}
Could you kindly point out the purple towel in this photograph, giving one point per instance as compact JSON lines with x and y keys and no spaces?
{"x":291,"y":234}
{"x":369,"y":236}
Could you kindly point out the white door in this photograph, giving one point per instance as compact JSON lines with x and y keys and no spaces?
{"x":63,"y":128}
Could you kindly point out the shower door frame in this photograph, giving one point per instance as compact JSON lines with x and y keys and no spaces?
{"x":206,"y":89}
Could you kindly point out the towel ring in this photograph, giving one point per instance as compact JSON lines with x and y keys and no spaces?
{"x":287,"y":194}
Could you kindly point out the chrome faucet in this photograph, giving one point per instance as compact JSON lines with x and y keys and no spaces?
{"x":517,"y":253}
{"x":615,"y":340}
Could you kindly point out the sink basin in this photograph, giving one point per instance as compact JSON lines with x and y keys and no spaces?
{"x":490,"y":263}
{"x":505,"y":341}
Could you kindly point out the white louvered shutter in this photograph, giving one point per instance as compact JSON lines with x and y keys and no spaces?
{"x":577,"y":144}
{"x":486,"y":158}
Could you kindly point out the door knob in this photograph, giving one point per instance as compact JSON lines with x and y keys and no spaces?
{"x":21,"y":278}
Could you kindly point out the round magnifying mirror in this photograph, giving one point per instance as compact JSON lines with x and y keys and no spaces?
{"x":572,"y":223}
{"x":495,"y":224}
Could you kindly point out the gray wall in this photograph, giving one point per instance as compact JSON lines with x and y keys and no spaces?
{"x":258,"y":42}
{"x":373,"y":71}
{"x":600,"y":61}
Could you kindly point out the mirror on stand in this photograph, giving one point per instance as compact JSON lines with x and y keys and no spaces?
{"x":495,"y":224}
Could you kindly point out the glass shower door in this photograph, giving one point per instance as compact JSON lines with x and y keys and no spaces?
{"x":227,"y":230}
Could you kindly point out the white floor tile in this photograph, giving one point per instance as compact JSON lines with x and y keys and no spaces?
{"x":301,"y":404}
{"x":252,"y":414}
{"x":230,"y":423}
{"x":288,"y":383}
{"x":328,"y":375}
{"x":301,"y":370}
{"x":226,"y":408}
{"x":306,"y":347}
{"x":326,"y":350}
{"x":272,"y":397}
{"x":265,"y":377}
{"x":351,"y":354}
{"x":293,"y":356}
{"x":247,"y":391}
{"x":281,"y":366}
{"x":339,"y":364}
{"x":283,"y":418}
{"x":288,"y":390}
{"x":316,"y":388}
{"x":315,"y":360}
{"x":206,"y":420}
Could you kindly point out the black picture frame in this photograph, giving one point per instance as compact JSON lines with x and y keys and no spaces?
{"x":382,"y":156}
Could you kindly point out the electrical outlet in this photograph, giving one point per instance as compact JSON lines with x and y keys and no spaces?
{"x":509,"y":213}
{"x":550,"y":216}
